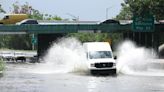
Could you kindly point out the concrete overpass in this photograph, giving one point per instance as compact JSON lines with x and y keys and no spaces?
{"x":51,"y":30}
{"x":62,"y":28}
{"x":46,"y":26}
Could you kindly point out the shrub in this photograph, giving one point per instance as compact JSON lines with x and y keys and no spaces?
{"x":1,"y":65}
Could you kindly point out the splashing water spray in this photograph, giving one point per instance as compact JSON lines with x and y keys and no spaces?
{"x":65,"y":55}
{"x":133,"y":60}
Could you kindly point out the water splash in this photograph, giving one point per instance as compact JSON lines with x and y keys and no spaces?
{"x":135,"y":60}
{"x":65,"y":55}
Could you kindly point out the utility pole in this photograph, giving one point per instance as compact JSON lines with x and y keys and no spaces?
{"x":107,"y":11}
{"x":74,"y":18}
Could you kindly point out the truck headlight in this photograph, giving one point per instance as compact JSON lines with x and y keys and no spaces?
{"x":92,"y":65}
{"x":114,"y":64}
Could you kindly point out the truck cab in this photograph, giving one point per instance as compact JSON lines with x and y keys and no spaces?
{"x":100,"y":58}
{"x":13,"y":18}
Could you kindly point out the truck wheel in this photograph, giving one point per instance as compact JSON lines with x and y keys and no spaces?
{"x":114,"y":72}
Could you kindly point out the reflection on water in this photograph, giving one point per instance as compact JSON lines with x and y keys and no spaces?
{"x":1,"y":75}
{"x":92,"y":84}
{"x":101,"y":83}
{"x":18,"y":78}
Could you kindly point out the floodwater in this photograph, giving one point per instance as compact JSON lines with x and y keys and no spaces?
{"x":63,"y":70}
{"x":20,"y":78}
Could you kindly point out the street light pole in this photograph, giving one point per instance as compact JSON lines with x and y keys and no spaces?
{"x":107,"y":10}
{"x":74,"y":17}
{"x":106,"y":13}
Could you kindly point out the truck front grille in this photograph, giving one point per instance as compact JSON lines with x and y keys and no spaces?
{"x":103,"y":65}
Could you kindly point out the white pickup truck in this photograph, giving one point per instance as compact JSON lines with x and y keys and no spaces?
{"x":100,"y":58}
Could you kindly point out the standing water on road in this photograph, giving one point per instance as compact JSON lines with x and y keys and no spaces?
{"x":135,"y":60}
{"x":67,"y":55}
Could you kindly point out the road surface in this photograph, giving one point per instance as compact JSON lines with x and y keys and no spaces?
{"x":20,"y":77}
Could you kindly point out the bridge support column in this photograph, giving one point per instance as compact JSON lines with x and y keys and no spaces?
{"x":146,"y":39}
{"x":128,"y":36}
{"x":45,"y":41}
{"x":156,"y":41}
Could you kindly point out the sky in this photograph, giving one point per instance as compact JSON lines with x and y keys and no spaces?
{"x":86,"y":10}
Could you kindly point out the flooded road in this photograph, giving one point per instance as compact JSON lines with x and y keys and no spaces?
{"x":21,"y":78}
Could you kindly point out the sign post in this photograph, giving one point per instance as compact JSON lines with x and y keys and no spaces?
{"x":143,"y":23}
{"x":33,"y":41}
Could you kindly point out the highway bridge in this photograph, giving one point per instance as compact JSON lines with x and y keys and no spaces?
{"x":48,"y":31}
{"x":45,"y":26}
{"x":62,"y":27}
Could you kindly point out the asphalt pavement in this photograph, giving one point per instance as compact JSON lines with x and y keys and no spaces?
{"x":22,"y":77}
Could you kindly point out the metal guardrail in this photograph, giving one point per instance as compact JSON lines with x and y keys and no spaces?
{"x":13,"y":55}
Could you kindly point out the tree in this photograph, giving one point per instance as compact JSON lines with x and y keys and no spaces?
{"x":51,"y":17}
{"x":125,"y":13}
{"x":4,"y":41}
{"x":33,"y":13}
{"x":27,"y":9}
{"x":84,"y":37}
{"x":142,"y":7}
{"x":54,"y":18}
{"x":1,"y":9}
{"x":112,"y":38}
{"x":25,"y":40}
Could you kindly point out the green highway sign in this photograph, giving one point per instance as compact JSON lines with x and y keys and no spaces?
{"x":143,"y":24}
{"x":33,"y":39}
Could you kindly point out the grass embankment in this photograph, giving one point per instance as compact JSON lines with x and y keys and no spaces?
{"x":2,"y":65}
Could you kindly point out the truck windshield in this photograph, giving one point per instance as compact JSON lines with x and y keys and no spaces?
{"x":6,"y":17}
{"x":100,"y":54}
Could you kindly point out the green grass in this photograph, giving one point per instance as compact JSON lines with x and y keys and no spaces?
{"x":2,"y":65}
